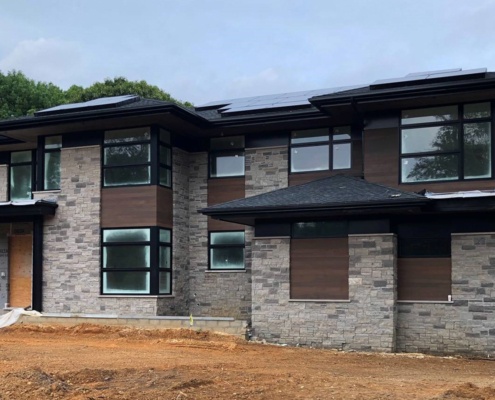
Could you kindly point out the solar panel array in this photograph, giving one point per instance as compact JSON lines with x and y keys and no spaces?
{"x":102,"y":103}
{"x":428,"y":76}
{"x":268,"y":102}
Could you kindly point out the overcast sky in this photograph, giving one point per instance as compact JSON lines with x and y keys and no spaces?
{"x":205,"y":50}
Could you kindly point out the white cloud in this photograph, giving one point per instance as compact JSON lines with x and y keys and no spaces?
{"x":49,"y":60}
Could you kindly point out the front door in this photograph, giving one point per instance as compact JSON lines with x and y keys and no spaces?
{"x":20,"y":267}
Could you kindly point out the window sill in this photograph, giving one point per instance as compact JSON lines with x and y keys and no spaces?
{"x":47,"y":191}
{"x":224,"y":271}
{"x":318,"y":301}
{"x":425,"y":302}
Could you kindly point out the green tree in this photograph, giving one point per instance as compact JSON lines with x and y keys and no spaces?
{"x":119,"y":86}
{"x":20,"y":95}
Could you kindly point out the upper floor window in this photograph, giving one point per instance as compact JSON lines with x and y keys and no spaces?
{"x":21,"y":175}
{"x":137,"y":261}
{"x":227,"y":157}
{"x":318,"y":149}
{"x":137,"y":156}
{"x":51,"y":162}
{"x":446,"y":143}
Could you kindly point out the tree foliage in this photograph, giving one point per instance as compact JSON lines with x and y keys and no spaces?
{"x":21,"y":96}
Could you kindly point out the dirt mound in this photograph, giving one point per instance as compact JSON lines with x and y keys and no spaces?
{"x":469,"y":391}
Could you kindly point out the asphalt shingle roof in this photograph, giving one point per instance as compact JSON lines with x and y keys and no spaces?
{"x":333,"y":192}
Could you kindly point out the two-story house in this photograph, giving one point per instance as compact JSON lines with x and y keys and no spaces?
{"x":354,"y":217}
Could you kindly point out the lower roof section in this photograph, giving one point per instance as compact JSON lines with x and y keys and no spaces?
{"x":27,"y":208}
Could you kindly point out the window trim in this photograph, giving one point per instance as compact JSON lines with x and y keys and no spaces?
{"x":459,"y":122}
{"x":213,"y":246}
{"x":216,"y":152}
{"x":154,"y":268}
{"x":32,"y":163}
{"x":330,"y":143}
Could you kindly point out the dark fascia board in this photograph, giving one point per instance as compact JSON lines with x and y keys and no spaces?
{"x":405,"y":91}
{"x":275,"y":212}
{"x":171,"y":108}
{"x":40,"y":208}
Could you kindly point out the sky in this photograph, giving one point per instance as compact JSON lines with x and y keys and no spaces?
{"x":206,"y":50}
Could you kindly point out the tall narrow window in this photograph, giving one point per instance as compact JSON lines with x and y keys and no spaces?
{"x":21,"y":175}
{"x":165,"y":158}
{"x":51,"y":162}
{"x":136,"y":261}
{"x":127,"y":157}
{"x":227,"y":157}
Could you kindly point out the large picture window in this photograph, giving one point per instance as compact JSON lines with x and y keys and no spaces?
{"x":136,"y":261}
{"x":227,"y":250}
{"x":227,"y":157}
{"x":446,"y":143}
{"x":321,"y":149}
{"x":21,"y":175}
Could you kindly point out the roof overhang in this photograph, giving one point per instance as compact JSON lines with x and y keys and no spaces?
{"x":27,"y":208}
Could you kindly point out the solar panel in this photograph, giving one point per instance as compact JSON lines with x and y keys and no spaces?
{"x":429,"y":77}
{"x":101,"y":103}
{"x":271,"y":101}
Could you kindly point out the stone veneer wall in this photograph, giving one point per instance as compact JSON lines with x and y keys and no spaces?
{"x":365,"y":322}
{"x":71,"y":249}
{"x":266,"y":169}
{"x":179,"y":303}
{"x":4,"y":183}
{"x":467,"y":325}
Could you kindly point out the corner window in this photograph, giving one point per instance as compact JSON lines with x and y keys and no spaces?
{"x":51,"y":162}
{"x":227,"y":157}
{"x":21,"y":175}
{"x":127,"y":157}
{"x":319,"y":150}
{"x":446,"y":143}
{"x":165,"y":158}
{"x":136,"y":261}
{"x":227,"y":250}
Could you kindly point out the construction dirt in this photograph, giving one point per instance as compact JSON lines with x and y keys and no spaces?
{"x":101,"y":362}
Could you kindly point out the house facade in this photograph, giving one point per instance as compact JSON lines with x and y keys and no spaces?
{"x":351,"y":218}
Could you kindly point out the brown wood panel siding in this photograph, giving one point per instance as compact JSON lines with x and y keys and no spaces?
{"x":381,"y":156}
{"x":424,"y":278}
{"x":381,"y":165}
{"x":319,"y":269}
{"x":165,"y":207}
{"x":129,"y":206}
{"x":223,"y":190}
{"x":355,"y":170}
{"x":20,"y":270}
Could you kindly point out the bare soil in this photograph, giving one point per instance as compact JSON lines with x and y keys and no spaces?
{"x":101,"y":362}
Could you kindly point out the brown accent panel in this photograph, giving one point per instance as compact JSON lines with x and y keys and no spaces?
{"x":20,"y":267}
{"x":381,"y":156}
{"x":129,"y":206}
{"x":165,"y":207}
{"x":223,"y":190}
{"x":319,"y":269}
{"x":424,"y":278}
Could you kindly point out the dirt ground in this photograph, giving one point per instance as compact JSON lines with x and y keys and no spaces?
{"x":101,"y":362}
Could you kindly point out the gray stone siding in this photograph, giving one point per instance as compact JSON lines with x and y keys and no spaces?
{"x":179,"y":303}
{"x":266,"y":169}
{"x":467,"y":325}
{"x":4,"y":183}
{"x":365,"y":322}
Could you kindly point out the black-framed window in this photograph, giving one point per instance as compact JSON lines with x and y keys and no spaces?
{"x":226,"y":157}
{"x":446,"y":143}
{"x":164,"y":158}
{"x":226,"y":250}
{"x":52,"y":146}
{"x":136,"y":261}
{"x":321,"y":149}
{"x":22,"y":174}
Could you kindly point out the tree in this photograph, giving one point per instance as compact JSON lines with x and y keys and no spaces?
{"x":119,"y":86}
{"x":20,"y":95}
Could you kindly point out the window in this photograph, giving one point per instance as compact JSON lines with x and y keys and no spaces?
{"x":137,"y":261}
{"x":424,"y":261}
{"x":51,"y":162}
{"x":21,"y":175}
{"x":165,"y":158}
{"x":318,"y":150}
{"x":446,"y":143}
{"x":226,"y":250}
{"x":227,"y":157}
{"x":319,"y":261}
